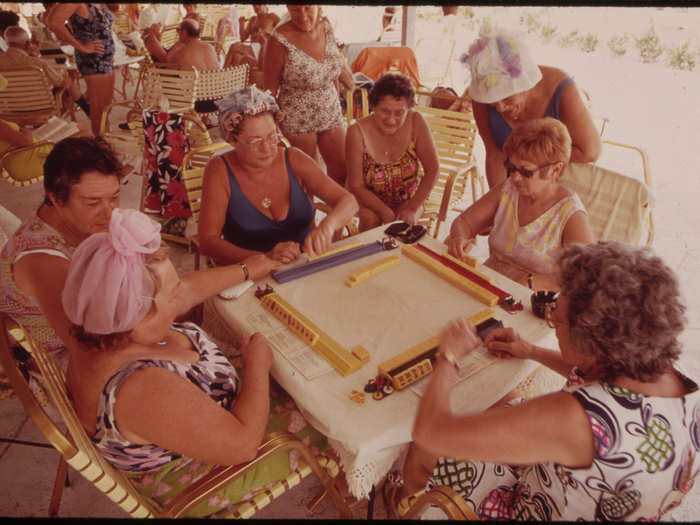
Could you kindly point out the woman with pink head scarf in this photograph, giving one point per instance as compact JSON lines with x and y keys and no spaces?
{"x":158,"y":398}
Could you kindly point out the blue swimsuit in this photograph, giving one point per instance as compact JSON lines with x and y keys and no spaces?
{"x":500,"y":130}
{"x":98,"y":26}
{"x":249,"y":228}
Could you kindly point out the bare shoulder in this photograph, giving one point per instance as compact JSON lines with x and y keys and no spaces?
{"x":553,"y":74}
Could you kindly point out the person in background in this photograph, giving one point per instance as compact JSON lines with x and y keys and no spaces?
{"x":531,"y":214}
{"x":302,"y":65}
{"x":252,"y":47}
{"x":7,"y":19}
{"x":619,"y":442}
{"x":258,"y":197}
{"x":507,"y":88}
{"x":88,"y":28}
{"x":193,"y":52}
{"x":385,"y":151}
{"x":227,"y":27}
{"x":23,"y":52}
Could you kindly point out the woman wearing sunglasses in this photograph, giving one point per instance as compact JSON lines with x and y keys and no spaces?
{"x":507,"y":88}
{"x":259,"y":196}
{"x":531,"y":214}
{"x":618,"y":442}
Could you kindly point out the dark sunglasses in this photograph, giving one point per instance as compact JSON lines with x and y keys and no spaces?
{"x":510,"y":168}
{"x":405,"y":232}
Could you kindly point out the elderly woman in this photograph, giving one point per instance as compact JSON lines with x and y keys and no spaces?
{"x":385,"y":151}
{"x":302,"y":66}
{"x":259,"y":196}
{"x":122,"y":295}
{"x":508,"y":88}
{"x":531,"y":214}
{"x":82,"y":184}
{"x":617,"y":443}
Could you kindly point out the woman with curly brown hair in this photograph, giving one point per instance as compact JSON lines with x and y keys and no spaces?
{"x":620,"y":440}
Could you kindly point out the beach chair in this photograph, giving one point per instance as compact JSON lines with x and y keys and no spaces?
{"x":29,"y":97}
{"x":214,"y":85}
{"x":77,"y":450}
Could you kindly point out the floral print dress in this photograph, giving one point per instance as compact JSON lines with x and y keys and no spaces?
{"x":162,"y":474}
{"x":644,"y":463}
{"x":307,"y":94}
{"x":98,"y":26}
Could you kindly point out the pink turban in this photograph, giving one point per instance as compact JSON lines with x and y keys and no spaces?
{"x":108,"y":288}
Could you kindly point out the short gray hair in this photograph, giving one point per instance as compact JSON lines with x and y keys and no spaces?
{"x":624,"y":308}
{"x":16,"y":35}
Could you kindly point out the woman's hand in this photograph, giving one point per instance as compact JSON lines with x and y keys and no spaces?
{"x":285,"y":252}
{"x":459,"y":245}
{"x":319,"y":239}
{"x":257,"y":352}
{"x":260,"y":265}
{"x":506,"y":342}
{"x":409,"y":212}
{"x":94,"y":46}
{"x":459,"y":339}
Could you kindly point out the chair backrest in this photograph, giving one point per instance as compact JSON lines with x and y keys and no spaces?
{"x":619,"y":207}
{"x":74,"y":445}
{"x":193,"y":165}
{"x":28,"y":96}
{"x":122,"y":24}
{"x":169,"y":36}
{"x":215,"y":85}
{"x":177,"y":83}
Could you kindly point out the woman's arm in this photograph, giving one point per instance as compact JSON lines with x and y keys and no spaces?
{"x":550,"y":428}
{"x":14,"y":137}
{"x":411,"y":210}
{"x":343,"y":203}
{"x":157,"y":406}
{"x":275,"y":57}
{"x":356,"y":184}
{"x":475,"y":219}
{"x":495,"y":171}
{"x":58,"y":17}
{"x":216,"y":193}
{"x":585,"y":140}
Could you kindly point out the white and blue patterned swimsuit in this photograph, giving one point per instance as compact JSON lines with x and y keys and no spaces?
{"x":212,"y":373}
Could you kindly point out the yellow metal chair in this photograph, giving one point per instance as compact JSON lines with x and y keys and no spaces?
{"x":15,"y":168}
{"x":351,"y":112}
{"x":169,"y":36}
{"x":454,"y":134}
{"x":443,"y":497}
{"x":29,"y":98}
{"x":215,"y":85}
{"x":77,"y":450}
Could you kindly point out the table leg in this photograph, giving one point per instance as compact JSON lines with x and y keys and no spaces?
{"x":370,"y":505}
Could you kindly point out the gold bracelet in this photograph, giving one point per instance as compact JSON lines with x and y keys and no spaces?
{"x":245,"y":271}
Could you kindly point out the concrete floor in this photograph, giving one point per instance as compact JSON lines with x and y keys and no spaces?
{"x":26,"y":473}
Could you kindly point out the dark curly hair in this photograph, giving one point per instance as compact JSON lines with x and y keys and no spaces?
{"x":72,"y":157}
{"x":394,"y":84}
{"x":624,"y":308}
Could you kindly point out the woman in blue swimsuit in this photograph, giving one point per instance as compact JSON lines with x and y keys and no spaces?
{"x":508,"y":88}
{"x":258,"y":197}
{"x":88,"y":28}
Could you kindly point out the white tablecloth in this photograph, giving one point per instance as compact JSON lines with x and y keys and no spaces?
{"x":387,"y":314}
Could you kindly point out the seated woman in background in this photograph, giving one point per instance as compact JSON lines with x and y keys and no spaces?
{"x":122,"y":295}
{"x":259,"y":196}
{"x":531,"y":213}
{"x":619,"y":442}
{"x":508,"y":88}
{"x":385,"y":151}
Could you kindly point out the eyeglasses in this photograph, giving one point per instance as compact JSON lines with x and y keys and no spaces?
{"x":257,"y":142}
{"x":510,"y":168}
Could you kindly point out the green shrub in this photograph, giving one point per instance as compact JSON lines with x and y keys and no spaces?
{"x":548,"y":32}
{"x":588,"y":43}
{"x":618,"y":44}
{"x":649,"y":47}
{"x":681,"y":58}
{"x":569,"y":40}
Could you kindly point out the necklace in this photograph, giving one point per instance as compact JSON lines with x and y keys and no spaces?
{"x":266,"y":202}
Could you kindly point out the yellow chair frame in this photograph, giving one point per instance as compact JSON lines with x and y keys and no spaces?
{"x":77,"y":450}
{"x":443,"y":497}
{"x":28,"y":98}
{"x":7,"y":156}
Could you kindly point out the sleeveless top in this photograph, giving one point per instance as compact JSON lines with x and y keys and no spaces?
{"x":501,"y":130}
{"x":97,"y":26}
{"x":33,"y":236}
{"x":644,"y":463}
{"x":393,"y":182}
{"x":307,"y":94}
{"x":249,"y":228}
{"x":534,"y":246}
{"x":212,"y":373}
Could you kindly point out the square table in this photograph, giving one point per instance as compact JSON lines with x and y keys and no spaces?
{"x":386,"y":314}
